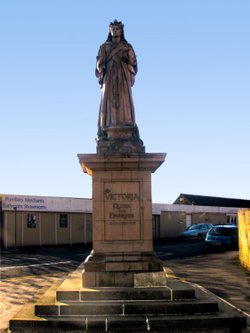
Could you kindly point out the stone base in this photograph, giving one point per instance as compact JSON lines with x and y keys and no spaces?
{"x":177,"y":307}
{"x":123,"y":140}
{"x":122,"y":270}
{"x":119,"y":145}
{"x":122,"y":216}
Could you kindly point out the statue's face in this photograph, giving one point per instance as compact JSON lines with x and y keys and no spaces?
{"x":116,"y":31}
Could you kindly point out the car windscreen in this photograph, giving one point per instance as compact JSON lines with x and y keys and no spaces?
{"x":220,"y":231}
{"x":194,"y":227}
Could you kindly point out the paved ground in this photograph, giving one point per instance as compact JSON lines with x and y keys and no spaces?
{"x":18,"y":291}
{"x":220,"y":271}
{"x":25,"y":276}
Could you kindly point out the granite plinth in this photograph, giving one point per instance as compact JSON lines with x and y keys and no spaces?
{"x":123,"y":270}
{"x":122,"y":217}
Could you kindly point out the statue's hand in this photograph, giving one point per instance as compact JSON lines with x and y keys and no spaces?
{"x":101,"y":77}
{"x":125,"y":59}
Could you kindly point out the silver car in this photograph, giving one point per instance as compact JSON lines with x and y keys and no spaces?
{"x":225,"y":235}
{"x":196,"y":231}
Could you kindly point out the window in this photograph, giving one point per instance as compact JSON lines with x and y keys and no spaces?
{"x":31,"y":221}
{"x":63,"y":221}
{"x":195,"y":227}
{"x":220,"y":231}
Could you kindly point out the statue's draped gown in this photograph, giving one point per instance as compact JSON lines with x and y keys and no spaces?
{"x":115,"y":68}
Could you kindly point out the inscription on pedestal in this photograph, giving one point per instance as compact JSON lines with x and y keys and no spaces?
{"x":122,"y":211}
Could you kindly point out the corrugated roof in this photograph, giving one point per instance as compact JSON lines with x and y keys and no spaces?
{"x":201,"y":200}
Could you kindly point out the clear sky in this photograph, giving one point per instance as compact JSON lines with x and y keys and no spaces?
{"x":191,"y":96}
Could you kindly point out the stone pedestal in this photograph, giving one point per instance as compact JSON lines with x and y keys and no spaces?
{"x":122,"y":218}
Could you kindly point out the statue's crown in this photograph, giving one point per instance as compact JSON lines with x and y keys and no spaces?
{"x":115,"y":22}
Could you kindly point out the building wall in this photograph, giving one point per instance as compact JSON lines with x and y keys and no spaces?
{"x":82,"y":228}
{"x":213,"y":218}
{"x":171,"y":224}
{"x":46,"y":228}
{"x":32,"y":220}
{"x":244,"y":237}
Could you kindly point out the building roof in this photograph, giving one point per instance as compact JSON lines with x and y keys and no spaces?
{"x":201,"y":200}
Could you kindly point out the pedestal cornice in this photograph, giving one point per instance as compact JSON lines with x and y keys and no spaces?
{"x":121,"y":162}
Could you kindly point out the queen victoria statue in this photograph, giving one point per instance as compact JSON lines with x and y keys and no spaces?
{"x":116,"y":67}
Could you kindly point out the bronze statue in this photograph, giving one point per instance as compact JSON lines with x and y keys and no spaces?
{"x":116,"y":67}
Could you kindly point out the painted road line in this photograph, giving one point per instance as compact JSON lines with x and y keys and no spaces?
{"x":35,"y":265}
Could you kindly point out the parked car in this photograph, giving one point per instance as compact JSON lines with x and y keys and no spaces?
{"x":225,"y":235}
{"x":196,"y":231}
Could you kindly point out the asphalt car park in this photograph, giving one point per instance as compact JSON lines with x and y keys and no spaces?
{"x":217,"y":270}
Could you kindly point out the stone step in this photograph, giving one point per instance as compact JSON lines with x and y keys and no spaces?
{"x":126,"y":308}
{"x":113,"y":294}
{"x":177,"y":292}
{"x":220,"y":323}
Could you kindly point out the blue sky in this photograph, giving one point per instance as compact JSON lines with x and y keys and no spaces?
{"x":191,"y":96}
